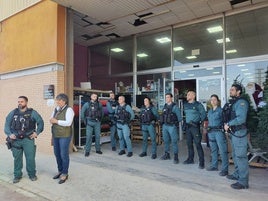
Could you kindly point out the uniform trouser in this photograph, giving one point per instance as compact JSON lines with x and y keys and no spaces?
{"x":218,"y":143}
{"x":61,"y":152}
{"x":113,"y":132}
{"x":123,"y":132}
{"x":194,"y":135}
{"x":170,"y":134}
{"x":27,"y":146}
{"x":146,"y":131}
{"x":239,"y":154}
{"x":96,"y":127}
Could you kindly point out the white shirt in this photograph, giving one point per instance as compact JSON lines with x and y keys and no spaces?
{"x":69,"y":116}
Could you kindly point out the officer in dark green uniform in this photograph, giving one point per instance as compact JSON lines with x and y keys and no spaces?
{"x":22,"y":126}
{"x":195,"y":114}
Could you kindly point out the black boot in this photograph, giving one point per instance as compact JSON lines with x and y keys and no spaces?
{"x":176,"y":159}
{"x":166,"y":156}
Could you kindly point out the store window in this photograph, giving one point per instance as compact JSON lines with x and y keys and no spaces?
{"x":121,"y":53}
{"x":247,"y":34}
{"x":154,"y":51}
{"x":198,"y":42}
{"x":251,"y":75}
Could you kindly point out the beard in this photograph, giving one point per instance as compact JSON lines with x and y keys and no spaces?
{"x":21,"y":107}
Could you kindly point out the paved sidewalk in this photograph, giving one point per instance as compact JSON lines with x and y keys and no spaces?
{"x":113,"y":177}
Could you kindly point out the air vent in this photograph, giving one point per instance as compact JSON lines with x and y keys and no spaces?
{"x":88,"y":37}
{"x":144,"y":15}
{"x":88,"y":22}
{"x":235,"y":2}
{"x":139,"y":22}
{"x":113,"y":35}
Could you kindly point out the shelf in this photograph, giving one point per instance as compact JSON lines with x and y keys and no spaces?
{"x":154,"y":91}
{"x":91,"y":90}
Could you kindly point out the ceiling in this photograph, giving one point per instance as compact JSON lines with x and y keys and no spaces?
{"x":98,"y":21}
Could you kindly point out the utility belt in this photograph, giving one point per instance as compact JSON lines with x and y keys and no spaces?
{"x":193,"y":124}
{"x":214,"y":128}
{"x":122,"y":122}
{"x":233,"y":129}
{"x":93,"y":120}
{"x":22,"y":135}
{"x":148,"y":123}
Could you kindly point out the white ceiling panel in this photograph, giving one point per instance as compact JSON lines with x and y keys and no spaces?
{"x":128,"y":17}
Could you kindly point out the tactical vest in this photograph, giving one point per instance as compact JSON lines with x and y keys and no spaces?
{"x":22,"y":123}
{"x":168,"y":117}
{"x":227,"y":112}
{"x":61,"y":131}
{"x":147,"y":115}
{"x":122,"y":115}
{"x":94,"y":111}
{"x":113,"y":104}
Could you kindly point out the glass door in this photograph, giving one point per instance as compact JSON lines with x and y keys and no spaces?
{"x":206,"y":86}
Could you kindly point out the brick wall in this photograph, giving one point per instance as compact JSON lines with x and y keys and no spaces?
{"x":31,"y":86}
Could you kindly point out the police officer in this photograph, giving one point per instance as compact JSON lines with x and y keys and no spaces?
{"x":236,"y":126}
{"x":194,"y":114}
{"x":91,"y":114}
{"x":111,"y":105}
{"x":148,"y":117}
{"x":22,"y":126}
{"x":170,"y":117}
{"x":216,"y":136}
{"x":124,"y":114}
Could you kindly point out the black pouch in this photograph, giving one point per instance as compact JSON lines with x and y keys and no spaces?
{"x":8,"y":143}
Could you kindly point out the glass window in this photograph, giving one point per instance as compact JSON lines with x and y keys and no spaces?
{"x":247,"y":33}
{"x":121,"y":56}
{"x":154,"y":51}
{"x":190,"y":74}
{"x":198,"y":42}
{"x":252,"y":76}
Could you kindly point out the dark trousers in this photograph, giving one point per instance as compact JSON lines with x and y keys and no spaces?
{"x":194,"y":135}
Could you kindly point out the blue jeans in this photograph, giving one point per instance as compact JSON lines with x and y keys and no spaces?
{"x":239,"y":154}
{"x":96,"y":127}
{"x":123,"y":132}
{"x":146,"y":131}
{"x":218,"y":144}
{"x":170,"y":134}
{"x":61,"y":151}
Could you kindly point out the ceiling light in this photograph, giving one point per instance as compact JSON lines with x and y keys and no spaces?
{"x":245,"y":69}
{"x":216,"y":72}
{"x":182,"y":71}
{"x":211,"y":68}
{"x":247,"y":73}
{"x":231,"y":51}
{"x":163,"y":40}
{"x":241,"y":65}
{"x":214,"y":29}
{"x":178,"y":48}
{"x":190,"y":75}
{"x":142,"y":55}
{"x":117,"y":49}
{"x":191,"y":57}
{"x":227,"y":40}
